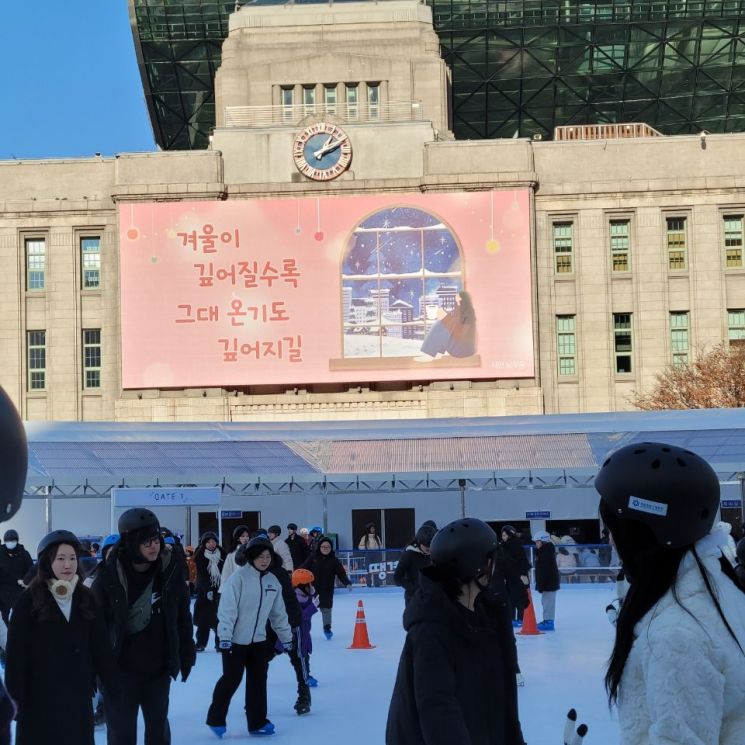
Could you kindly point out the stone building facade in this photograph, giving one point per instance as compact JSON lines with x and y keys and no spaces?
{"x":637,"y":242}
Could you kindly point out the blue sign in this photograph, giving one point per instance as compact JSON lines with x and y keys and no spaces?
{"x":538,"y":515}
{"x":231,"y":514}
{"x":731,"y":504}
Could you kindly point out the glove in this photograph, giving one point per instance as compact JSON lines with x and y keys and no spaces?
{"x":225,"y":645}
{"x":287,"y":646}
{"x":21,"y":584}
{"x":210,"y":595}
{"x":572,"y":737}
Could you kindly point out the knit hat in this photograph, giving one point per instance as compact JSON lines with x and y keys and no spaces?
{"x":542,"y":536}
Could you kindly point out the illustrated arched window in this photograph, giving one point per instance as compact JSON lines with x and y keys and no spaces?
{"x":402,"y":271}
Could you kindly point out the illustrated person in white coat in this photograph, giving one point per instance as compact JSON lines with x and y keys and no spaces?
{"x":677,"y":672}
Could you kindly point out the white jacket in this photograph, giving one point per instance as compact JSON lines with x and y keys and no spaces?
{"x":229,"y":566}
{"x":250,"y":599}
{"x":684,"y":679}
{"x":281,"y":548}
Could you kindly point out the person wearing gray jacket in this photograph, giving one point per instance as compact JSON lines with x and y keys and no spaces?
{"x":251,"y":597}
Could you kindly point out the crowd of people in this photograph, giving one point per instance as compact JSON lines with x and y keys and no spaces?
{"x":127,"y":630}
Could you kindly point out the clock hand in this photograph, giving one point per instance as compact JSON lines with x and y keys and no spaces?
{"x":323,"y":149}
{"x":328,"y":147}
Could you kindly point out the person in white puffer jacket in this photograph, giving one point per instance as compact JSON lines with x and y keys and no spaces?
{"x":677,"y":672}
{"x":251,"y":598}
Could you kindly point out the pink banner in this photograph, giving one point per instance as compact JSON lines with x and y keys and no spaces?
{"x":320,"y":290}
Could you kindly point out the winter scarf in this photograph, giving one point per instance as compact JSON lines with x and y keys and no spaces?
{"x":213,"y":560}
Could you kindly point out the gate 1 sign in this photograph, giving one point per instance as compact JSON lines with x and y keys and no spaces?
{"x":165,"y":496}
{"x":324,"y":290}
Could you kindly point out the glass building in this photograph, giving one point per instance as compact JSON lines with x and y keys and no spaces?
{"x":519,"y":67}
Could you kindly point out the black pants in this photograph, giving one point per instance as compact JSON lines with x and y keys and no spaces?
{"x":254,"y":659}
{"x":138,"y":692}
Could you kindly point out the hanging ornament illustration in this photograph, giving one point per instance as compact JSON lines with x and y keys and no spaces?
{"x":318,"y":235}
{"x":132,"y":233}
{"x":492,"y":245}
{"x":298,"y":229}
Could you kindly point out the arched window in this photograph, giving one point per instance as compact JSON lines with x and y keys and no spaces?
{"x":402,"y":271}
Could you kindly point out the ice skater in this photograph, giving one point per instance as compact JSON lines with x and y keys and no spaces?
{"x":677,"y":671}
{"x":326,"y":569}
{"x":546,"y":578}
{"x":456,"y":679}
{"x":413,"y":559}
{"x":208,"y":559}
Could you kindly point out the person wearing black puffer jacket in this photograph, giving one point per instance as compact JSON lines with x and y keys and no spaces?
{"x":546,"y":578}
{"x":456,"y":676}
{"x":517,"y":562}
{"x":326,"y":569}
{"x":413,"y":559}
{"x":145,"y":601}
{"x":15,"y":564}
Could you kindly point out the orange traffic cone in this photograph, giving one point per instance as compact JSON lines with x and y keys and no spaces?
{"x":530,"y":628}
{"x":361,"y":639}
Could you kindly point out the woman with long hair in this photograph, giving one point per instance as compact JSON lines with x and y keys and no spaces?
{"x":57,"y":645}
{"x":677,"y":671}
{"x":241,"y":536}
{"x":209,"y":559}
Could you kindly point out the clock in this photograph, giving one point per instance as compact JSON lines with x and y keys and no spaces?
{"x":322,"y":151}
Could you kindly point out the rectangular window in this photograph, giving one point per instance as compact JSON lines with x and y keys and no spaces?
{"x":566,"y":344}
{"x":36,"y":359}
{"x":288,"y":103}
{"x":309,"y":99}
{"x":622,"y":343}
{"x":620,"y":246}
{"x":329,"y":98}
{"x":563,"y":247}
{"x":733,"y":240}
{"x":352,"y":101}
{"x":679,"y":339}
{"x":90,"y":263}
{"x":736,"y":327}
{"x":91,"y":358}
{"x":677,"y":248}
{"x":373,"y":100}
{"x":36,"y":260}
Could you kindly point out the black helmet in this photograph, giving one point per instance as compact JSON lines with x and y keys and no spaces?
{"x":424,"y":535}
{"x":207,"y":535}
{"x":239,"y":531}
{"x":13,"y":458}
{"x":672,"y":491}
{"x":55,"y":538}
{"x":509,"y":529}
{"x":10,"y":535}
{"x":463,"y":547}
{"x":291,"y":526}
{"x":136,"y":519}
{"x":252,"y":549}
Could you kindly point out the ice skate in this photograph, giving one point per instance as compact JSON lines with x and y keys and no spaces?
{"x":267,"y":729}
{"x":312,"y":682}
{"x":218,"y":731}
{"x":302,"y":705}
{"x":546,"y":626}
{"x":327,"y":632}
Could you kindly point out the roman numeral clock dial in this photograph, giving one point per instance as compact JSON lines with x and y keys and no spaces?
{"x":322,"y":151}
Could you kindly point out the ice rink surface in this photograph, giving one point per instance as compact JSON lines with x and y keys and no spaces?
{"x":562,"y":669}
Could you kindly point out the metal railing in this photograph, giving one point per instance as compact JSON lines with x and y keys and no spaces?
{"x":342,"y":113}
{"x":605,"y":131}
{"x":587,"y":563}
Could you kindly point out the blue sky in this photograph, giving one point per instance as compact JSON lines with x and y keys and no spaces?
{"x":71,"y":86}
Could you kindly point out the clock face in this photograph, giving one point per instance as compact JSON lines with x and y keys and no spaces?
{"x":322,"y":151}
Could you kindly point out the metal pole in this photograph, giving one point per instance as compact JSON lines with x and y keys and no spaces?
{"x":325,"y":503}
{"x":462,"y":487}
{"x":48,"y":512}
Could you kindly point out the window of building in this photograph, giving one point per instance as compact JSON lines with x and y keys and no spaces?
{"x":622,"y":342}
{"x":566,"y":343}
{"x":329,"y":98}
{"x":373,"y":100}
{"x":736,"y":327}
{"x":402,"y":273}
{"x":91,"y":358}
{"x":309,"y":99}
{"x":679,"y":337}
{"x":352,"y":100}
{"x":36,"y":360}
{"x":287,"y":96}
{"x":733,"y":240}
{"x":563,"y":247}
{"x":90,"y":262}
{"x":36,"y":260}
{"x":677,"y":248}
{"x":620,"y":245}
{"x":608,"y":57}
